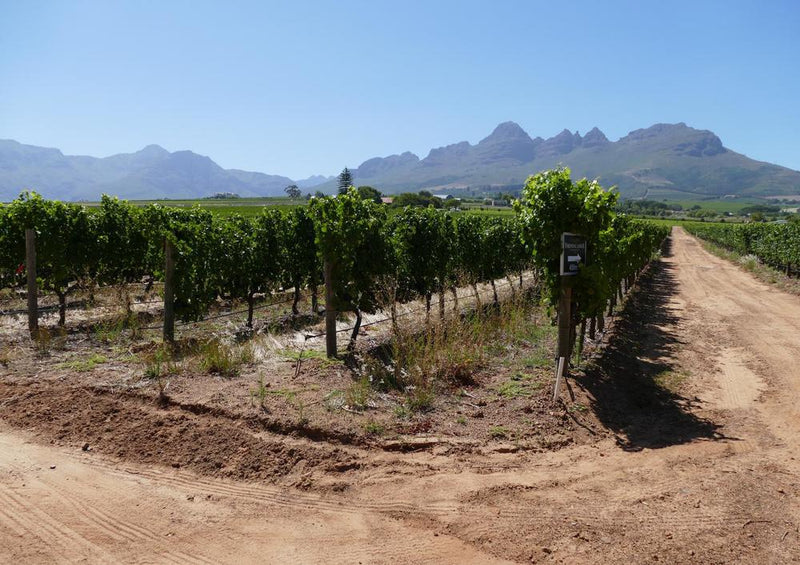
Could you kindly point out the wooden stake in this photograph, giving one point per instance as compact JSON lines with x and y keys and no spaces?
{"x":564,"y":320}
{"x":169,"y":291}
{"x":33,"y":291}
{"x":559,"y":373}
{"x":330,"y":311}
{"x":581,"y":339}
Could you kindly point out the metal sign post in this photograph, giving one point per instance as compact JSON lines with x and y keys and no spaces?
{"x":573,"y":253}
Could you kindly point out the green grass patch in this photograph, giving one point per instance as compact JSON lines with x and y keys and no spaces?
{"x":578,"y":407}
{"x":519,"y":385}
{"x":374,"y":428}
{"x":670,"y":380}
{"x":358,"y":394}
{"x":223,"y":359}
{"x":306,"y":354}
{"x":83,"y":365}
{"x":499,"y":432}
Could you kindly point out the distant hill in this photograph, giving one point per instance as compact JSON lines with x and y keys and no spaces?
{"x":152,"y":172}
{"x":662,"y":161}
{"x":672,"y":161}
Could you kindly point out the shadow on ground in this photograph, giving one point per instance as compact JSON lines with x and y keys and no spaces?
{"x":624,"y":381}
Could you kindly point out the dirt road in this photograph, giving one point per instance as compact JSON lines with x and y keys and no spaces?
{"x":700,"y":393}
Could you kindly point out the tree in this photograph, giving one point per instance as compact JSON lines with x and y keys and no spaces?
{"x":369,"y":193}
{"x":293,"y":191}
{"x":423,"y":199}
{"x":345,"y":181}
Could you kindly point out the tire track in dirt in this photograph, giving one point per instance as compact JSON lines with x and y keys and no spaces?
{"x":277,"y":496}
{"x":37,"y":521}
{"x":739,"y":386}
{"x":50,"y":531}
{"x":120,"y":529}
{"x":285,"y":522}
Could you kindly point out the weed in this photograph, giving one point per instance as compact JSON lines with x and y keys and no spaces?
{"x":158,"y":366}
{"x":159,"y":363}
{"x":109,"y":331}
{"x":302,"y":419}
{"x":379,"y":374}
{"x":451,"y":352}
{"x":334,"y":400}
{"x":291,"y":398}
{"x":161,"y":386}
{"x":749,"y":262}
{"x":374,"y":428}
{"x":304,"y":354}
{"x":401,"y":412}
{"x":578,"y":407}
{"x":454,"y":350}
{"x":260,"y":392}
{"x":420,"y":398}
{"x":358,"y":394}
{"x":223,"y":359}
{"x":498,"y":432}
{"x":513,"y":389}
{"x":152,"y":370}
{"x":519,"y":385}
{"x":247,"y":353}
{"x":541,"y":357}
{"x":288,"y":395}
{"x":461,"y":420}
{"x":42,"y":342}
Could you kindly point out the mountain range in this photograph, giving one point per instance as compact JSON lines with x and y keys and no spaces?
{"x":152,"y":172}
{"x":661,"y":161}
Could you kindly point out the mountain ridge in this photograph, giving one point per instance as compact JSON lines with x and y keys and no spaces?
{"x":150,"y":173}
{"x":664,"y":159}
{"x":661,"y":161}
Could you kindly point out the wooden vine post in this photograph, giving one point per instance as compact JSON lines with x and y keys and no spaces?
{"x":169,"y":291}
{"x":573,"y":254}
{"x":330,"y":311}
{"x":33,"y":291}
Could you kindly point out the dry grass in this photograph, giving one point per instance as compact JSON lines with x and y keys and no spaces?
{"x":451,"y":353}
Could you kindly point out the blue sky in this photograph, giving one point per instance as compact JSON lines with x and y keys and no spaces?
{"x":298,"y":88}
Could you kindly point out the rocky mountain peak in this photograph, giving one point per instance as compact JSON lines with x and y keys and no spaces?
{"x":153,"y":150}
{"x":594,"y":138}
{"x":505,"y":132}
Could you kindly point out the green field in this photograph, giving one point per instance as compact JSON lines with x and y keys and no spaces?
{"x":726,"y":205}
{"x":253,"y":206}
{"x":224,"y":207}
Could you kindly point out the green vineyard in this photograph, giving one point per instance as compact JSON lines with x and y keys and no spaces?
{"x":777,"y":245}
{"x":371,"y":260}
